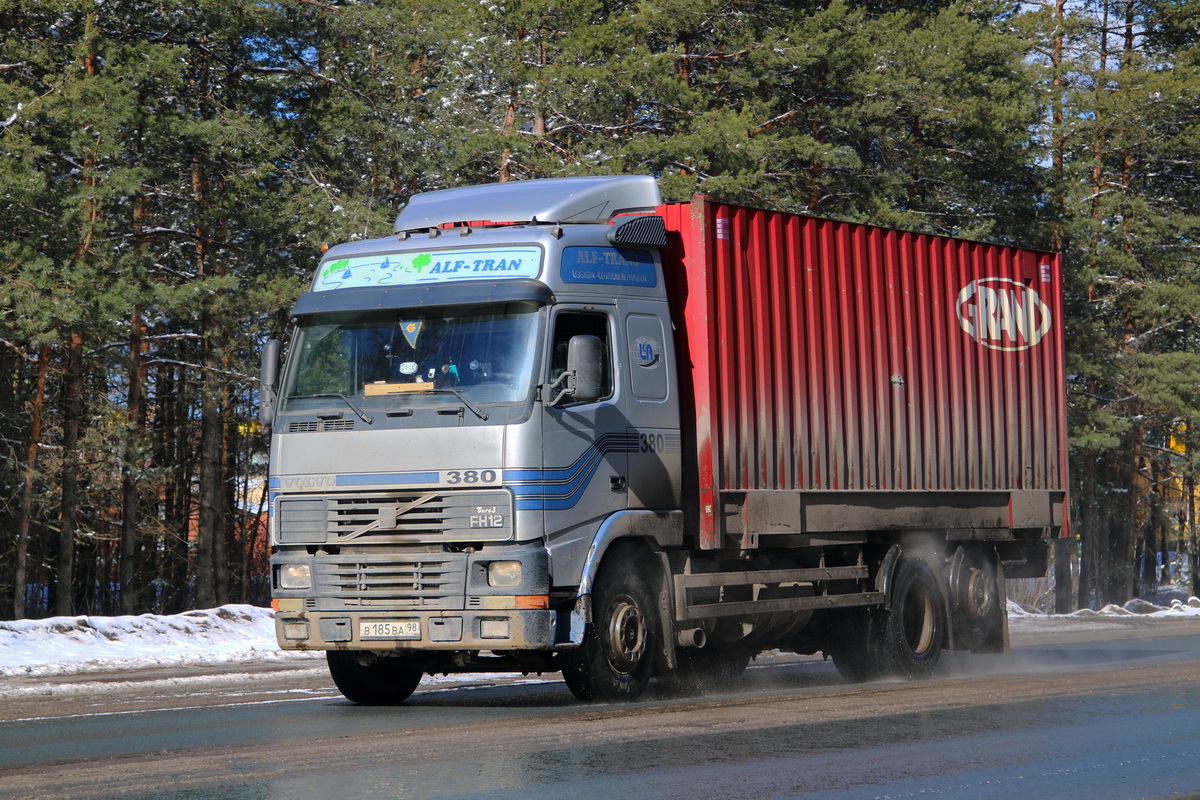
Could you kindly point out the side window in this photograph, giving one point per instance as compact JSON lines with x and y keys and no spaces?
{"x":581,"y":323}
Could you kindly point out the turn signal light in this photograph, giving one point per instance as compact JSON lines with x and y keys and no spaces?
{"x":533,"y":601}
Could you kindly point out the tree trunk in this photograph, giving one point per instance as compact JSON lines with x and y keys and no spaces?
{"x":64,"y":565}
{"x":1063,"y":588}
{"x":1087,"y":529}
{"x":64,"y":562}
{"x":510,"y":126}
{"x":24,"y":521}
{"x":177,"y":445}
{"x":223,"y":527}
{"x":1190,"y":533}
{"x":1058,"y":139}
{"x":1123,"y":574}
{"x":130,"y":468}
{"x":208,"y":525}
{"x":1161,"y":574}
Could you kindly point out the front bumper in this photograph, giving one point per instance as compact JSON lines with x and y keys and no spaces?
{"x":484,"y":629}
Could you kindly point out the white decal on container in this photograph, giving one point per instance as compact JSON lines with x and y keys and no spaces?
{"x":1003,"y":314}
{"x":722,"y":227}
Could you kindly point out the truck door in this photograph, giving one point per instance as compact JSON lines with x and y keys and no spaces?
{"x":585,"y":446}
{"x":651,"y":406}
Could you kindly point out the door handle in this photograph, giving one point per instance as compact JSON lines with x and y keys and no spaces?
{"x":617,"y":483}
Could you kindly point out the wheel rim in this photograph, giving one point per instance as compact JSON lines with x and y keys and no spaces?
{"x":919,"y":620}
{"x":980,"y":593}
{"x":625,"y":634}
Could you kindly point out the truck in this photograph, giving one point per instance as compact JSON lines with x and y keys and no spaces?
{"x":560,"y":425}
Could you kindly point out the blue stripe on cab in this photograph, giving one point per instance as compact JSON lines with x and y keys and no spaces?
{"x":560,"y":489}
{"x":380,"y":480}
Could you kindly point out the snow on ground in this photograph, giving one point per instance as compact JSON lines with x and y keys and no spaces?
{"x":1141,"y":609}
{"x":73,"y":645}
{"x":64,"y":656}
{"x":240,"y":633}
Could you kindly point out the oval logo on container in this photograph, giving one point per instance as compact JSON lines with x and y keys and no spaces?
{"x":1003,"y":314}
{"x":645,"y":351}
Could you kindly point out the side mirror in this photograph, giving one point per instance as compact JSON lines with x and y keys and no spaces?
{"x":585,"y":356}
{"x":268,"y":378}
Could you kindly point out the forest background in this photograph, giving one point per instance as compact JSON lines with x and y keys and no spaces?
{"x":168,"y":171}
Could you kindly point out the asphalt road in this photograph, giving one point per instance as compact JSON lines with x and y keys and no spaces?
{"x":1096,"y":710}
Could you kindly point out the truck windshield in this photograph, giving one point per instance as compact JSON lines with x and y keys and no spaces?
{"x":413,"y":357}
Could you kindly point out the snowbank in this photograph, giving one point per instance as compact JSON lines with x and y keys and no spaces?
{"x":70,"y":645}
{"x":1134,"y":608}
{"x":238,"y":633}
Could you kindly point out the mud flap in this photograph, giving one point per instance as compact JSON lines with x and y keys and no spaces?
{"x":883,"y":578}
{"x":667,"y":660}
{"x":577,"y":622}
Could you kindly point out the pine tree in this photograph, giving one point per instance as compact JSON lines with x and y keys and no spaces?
{"x":1126,"y":220}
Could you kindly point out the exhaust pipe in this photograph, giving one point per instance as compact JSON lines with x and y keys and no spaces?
{"x":692,"y":637}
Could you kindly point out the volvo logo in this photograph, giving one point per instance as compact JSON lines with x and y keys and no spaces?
{"x":1003,"y":314}
{"x":308,"y":481}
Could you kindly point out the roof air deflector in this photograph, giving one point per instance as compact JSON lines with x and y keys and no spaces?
{"x":550,"y":200}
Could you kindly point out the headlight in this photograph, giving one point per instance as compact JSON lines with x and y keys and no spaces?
{"x":504,"y":574}
{"x":295,"y":576}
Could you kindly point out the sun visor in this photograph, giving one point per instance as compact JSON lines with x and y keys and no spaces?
{"x":374,"y":298}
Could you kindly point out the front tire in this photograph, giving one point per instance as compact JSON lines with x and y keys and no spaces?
{"x":615,"y":661}
{"x":371,"y":680}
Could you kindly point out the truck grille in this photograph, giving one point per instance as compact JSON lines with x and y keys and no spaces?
{"x":397,"y":517}
{"x":315,"y":426}
{"x":391,"y":580}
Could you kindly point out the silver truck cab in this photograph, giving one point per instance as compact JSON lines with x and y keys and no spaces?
{"x":471,"y":411}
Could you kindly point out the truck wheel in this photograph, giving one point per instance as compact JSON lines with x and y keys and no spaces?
{"x":616,"y":658}
{"x":912,"y":628}
{"x":369,"y":680}
{"x":974,"y":597}
{"x":710,"y":668}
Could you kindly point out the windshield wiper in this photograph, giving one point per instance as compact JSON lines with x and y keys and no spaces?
{"x":346,"y":400}
{"x":474,"y":409}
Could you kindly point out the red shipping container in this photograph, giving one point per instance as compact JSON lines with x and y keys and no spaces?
{"x":840,"y":363}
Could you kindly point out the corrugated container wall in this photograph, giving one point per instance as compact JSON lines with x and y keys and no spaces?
{"x":828,"y":356}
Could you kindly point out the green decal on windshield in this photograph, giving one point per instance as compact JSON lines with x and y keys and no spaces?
{"x":406,"y":269}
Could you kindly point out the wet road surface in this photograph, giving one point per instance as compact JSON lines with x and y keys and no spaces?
{"x":1097,"y":711}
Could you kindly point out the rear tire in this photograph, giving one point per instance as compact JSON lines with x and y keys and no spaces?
{"x":616,"y":658}
{"x":974,"y":597}
{"x":912,"y":629}
{"x":903,"y":639}
{"x":369,"y":680}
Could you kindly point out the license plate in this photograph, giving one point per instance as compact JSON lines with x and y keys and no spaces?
{"x":389,"y":629}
